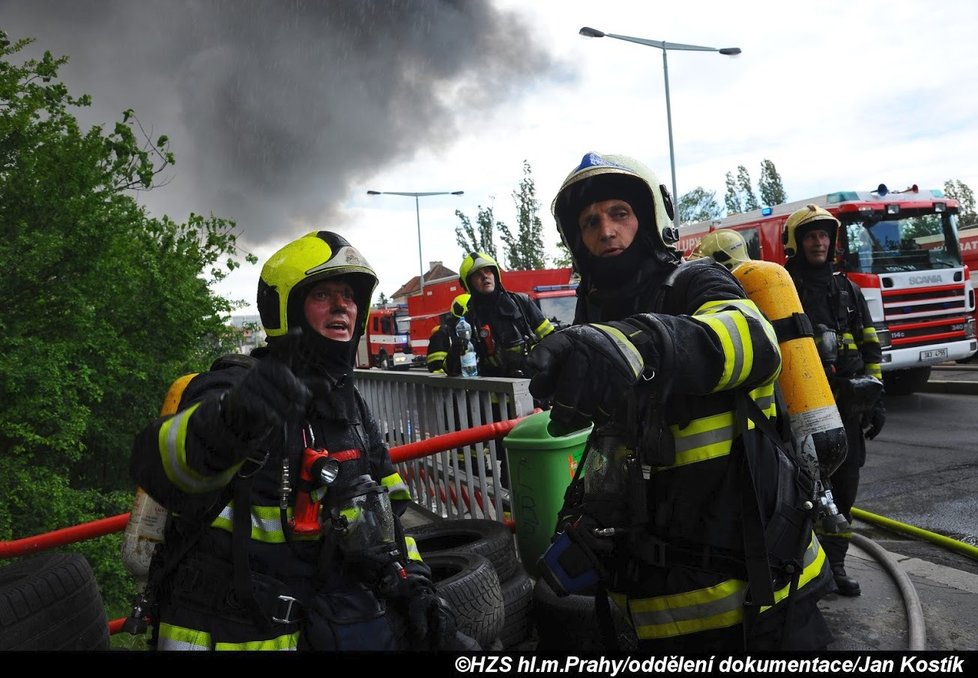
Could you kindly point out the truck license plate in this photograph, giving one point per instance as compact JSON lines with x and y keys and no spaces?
{"x":934,"y":354}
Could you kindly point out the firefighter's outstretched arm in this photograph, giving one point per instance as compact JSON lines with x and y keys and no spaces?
{"x":198,"y":450}
{"x":587,"y":370}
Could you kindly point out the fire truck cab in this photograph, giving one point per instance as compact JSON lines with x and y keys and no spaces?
{"x":902,"y":249}
{"x":385,"y":343}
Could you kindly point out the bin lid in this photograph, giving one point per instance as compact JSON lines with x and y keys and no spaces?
{"x":532,"y":432}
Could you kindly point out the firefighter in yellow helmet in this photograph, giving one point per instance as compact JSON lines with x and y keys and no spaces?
{"x":851,"y":356}
{"x":259,"y":553}
{"x":443,"y":337}
{"x":506,"y":325}
{"x":665,"y":358}
{"x":725,"y":246}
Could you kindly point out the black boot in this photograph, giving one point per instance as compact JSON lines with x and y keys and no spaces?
{"x":847,"y":585}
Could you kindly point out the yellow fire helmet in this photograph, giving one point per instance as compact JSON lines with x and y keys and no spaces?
{"x":476,"y":261}
{"x":460,"y":305}
{"x":800,"y":220}
{"x":314,"y":257}
{"x":726,"y":246}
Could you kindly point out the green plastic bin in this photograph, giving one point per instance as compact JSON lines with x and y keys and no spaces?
{"x":540,"y":469}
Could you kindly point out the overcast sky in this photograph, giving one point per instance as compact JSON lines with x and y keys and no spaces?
{"x":283,"y":114}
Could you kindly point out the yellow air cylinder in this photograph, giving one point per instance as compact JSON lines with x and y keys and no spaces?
{"x":144,"y":531}
{"x":815,"y":422}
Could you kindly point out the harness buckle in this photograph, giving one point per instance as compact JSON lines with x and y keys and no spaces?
{"x":286,"y":606}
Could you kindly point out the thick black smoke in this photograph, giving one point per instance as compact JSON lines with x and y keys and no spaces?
{"x":275,"y":109}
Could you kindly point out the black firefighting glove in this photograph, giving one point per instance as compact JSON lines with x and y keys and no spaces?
{"x":431,"y":621}
{"x":586,"y":370}
{"x":874,"y":420}
{"x":269,"y":396}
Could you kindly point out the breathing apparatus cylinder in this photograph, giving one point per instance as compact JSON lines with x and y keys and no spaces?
{"x":147,"y":520}
{"x":816,"y":426}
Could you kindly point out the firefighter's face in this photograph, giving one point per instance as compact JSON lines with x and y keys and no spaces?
{"x":331,"y":310}
{"x":815,"y":245}
{"x":483,"y":280}
{"x":607,"y":227}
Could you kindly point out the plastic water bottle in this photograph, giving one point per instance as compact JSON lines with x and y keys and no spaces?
{"x":463,"y":331}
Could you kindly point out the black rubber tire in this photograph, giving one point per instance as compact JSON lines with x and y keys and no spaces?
{"x":518,"y":605}
{"x":570,"y":624}
{"x":470,"y":585}
{"x":488,"y":538}
{"x":51,"y":602}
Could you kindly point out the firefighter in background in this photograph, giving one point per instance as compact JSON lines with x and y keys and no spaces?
{"x":443,"y":337}
{"x":238,"y":573}
{"x":655,"y":358}
{"x":725,"y":246}
{"x":850,"y":352}
{"x":506,"y":325}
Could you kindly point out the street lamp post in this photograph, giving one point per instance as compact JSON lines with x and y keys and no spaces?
{"x":417,"y":212}
{"x":665,"y":47}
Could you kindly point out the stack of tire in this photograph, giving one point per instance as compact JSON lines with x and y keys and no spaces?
{"x":475,"y":567}
{"x":51,"y":602}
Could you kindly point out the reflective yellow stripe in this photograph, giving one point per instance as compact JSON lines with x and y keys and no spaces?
{"x":730,"y":327}
{"x":412,"y":549}
{"x":437,"y":355}
{"x":712,"y":437}
{"x":812,"y":564}
{"x":266,"y":525}
{"x":173,"y":453}
{"x":543,"y":329}
{"x":180,"y":638}
{"x":874,"y":370}
{"x":397,"y":489}
{"x":287,"y":642}
{"x":714,"y":607}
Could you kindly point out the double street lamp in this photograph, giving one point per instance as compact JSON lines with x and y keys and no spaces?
{"x":417,"y":211}
{"x":665,"y":47}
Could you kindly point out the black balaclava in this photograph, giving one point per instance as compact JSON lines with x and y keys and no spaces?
{"x":613,"y":284}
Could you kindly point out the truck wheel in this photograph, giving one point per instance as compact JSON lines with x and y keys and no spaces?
{"x":488,"y":538}
{"x":905,"y":382}
{"x":51,"y":602}
{"x":470,"y":585}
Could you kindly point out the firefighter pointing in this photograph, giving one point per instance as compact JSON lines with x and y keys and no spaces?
{"x":283,"y":500}
{"x":669,"y":359}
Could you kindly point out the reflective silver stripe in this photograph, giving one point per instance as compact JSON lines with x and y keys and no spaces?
{"x":396,"y":487}
{"x":178,"y":638}
{"x":714,"y":607}
{"x":266,"y":525}
{"x":730,"y":327}
{"x":173,"y":453}
{"x":711,"y":437}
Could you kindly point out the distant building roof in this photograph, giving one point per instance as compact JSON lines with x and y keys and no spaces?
{"x":436,"y":273}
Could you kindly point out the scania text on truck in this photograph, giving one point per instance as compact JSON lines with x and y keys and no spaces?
{"x":902,"y":249}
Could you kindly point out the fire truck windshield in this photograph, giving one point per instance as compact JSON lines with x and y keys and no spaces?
{"x":908,"y":242}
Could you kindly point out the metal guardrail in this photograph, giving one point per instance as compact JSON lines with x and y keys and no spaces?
{"x":470,"y":481}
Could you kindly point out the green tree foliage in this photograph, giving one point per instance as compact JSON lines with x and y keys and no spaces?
{"x":470,"y":241}
{"x":524,"y":251}
{"x":699,"y":205}
{"x":958,"y":190}
{"x":771,"y":189}
{"x":745,"y":189}
{"x":103,"y":307}
{"x":731,"y":198}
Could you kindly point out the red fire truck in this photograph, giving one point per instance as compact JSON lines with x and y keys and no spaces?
{"x":902,"y":249}
{"x":385,"y":342}
{"x":552,"y":289}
